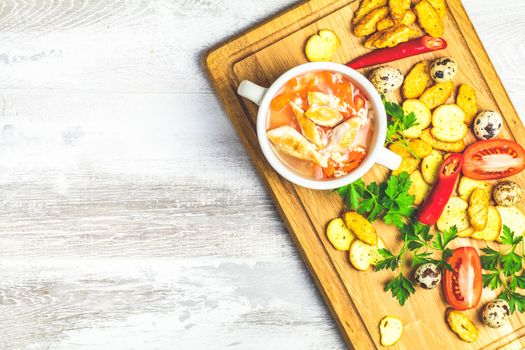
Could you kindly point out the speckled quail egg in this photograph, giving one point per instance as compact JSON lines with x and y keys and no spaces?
{"x":428,"y":276}
{"x":496,"y":313}
{"x":507,"y":193}
{"x":487,"y":125}
{"x":443,"y":69}
{"x":386,"y":79}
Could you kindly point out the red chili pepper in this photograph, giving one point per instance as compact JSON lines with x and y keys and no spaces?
{"x":438,"y":198}
{"x":403,"y":50}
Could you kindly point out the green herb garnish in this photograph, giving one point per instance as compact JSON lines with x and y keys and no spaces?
{"x":505,"y":269}
{"x":422,"y":245}
{"x":398,"y":122}
{"x":388,"y":200}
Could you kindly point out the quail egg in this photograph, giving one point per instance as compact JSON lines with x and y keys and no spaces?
{"x":428,"y":276}
{"x":386,"y":79}
{"x":487,"y":125}
{"x":507,"y":193}
{"x":443,"y":69}
{"x":495,"y":313}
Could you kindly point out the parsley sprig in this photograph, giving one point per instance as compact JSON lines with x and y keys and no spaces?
{"x":505,"y":269}
{"x":398,"y":122}
{"x":423,"y":246}
{"x":388,"y":200}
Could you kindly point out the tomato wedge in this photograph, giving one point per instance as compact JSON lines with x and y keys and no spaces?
{"x":462,"y":285}
{"x":493,"y":159}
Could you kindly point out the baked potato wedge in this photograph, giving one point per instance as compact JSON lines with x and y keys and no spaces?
{"x":458,"y":146}
{"x":374,"y":252}
{"x":368,"y":24}
{"x":440,"y":6}
{"x":466,"y":232}
{"x":339,"y":235}
{"x":454,"y":214}
{"x":430,"y":166}
{"x":513,"y":218}
{"x":423,"y":117}
{"x":369,"y":43}
{"x":418,"y":187}
{"x":361,"y":227}
{"x":398,"y":148}
{"x":450,"y":133}
{"x":437,"y":94}
{"x":392,"y":36}
{"x":448,"y":114}
{"x":460,"y":324}
{"x":409,"y":18}
{"x":391,"y":330}
{"x":408,"y":162}
{"x":363,"y":255}
{"x":429,"y":19}
{"x":478,"y":208}
{"x":322,"y":47}
{"x":449,"y":123}
{"x":467,"y":185}
{"x":360,"y":257}
{"x":385,"y":23}
{"x":416,"y":81}
{"x":398,"y":9}
{"x":420,"y":148}
{"x":467,"y":101}
{"x":493,"y":228}
{"x":366,"y":7}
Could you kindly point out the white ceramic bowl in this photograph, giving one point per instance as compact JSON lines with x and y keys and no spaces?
{"x":377,"y":153}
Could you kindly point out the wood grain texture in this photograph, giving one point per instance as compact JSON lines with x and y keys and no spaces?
{"x":112,"y":233}
{"x":265,"y":53}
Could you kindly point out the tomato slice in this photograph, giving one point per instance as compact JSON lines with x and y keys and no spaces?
{"x":462,"y":285}
{"x":493,"y":159}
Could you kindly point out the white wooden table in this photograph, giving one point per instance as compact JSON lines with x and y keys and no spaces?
{"x":130,"y":216}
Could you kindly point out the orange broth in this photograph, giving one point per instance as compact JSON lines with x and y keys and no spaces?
{"x":334,"y":119}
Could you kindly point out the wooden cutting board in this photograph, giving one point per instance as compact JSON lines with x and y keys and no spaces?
{"x":356,"y":299}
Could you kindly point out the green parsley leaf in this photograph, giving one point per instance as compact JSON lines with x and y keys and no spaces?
{"x":414,"y":245}
{"x":390,"y":261}
{"x":491,"y":280}
{"x":353,"y":193}
{"x":442,"y":263}
{"x":399,"y":202}
{"x":398,"y":122}
{"x":505,"y":269}
{"x":511,"y":263}
{"x":416,"y":232}
{"x":519,"y":282}
{"x":490,"y":260}
{"x":443,"y":238}
{"x":401,"y":288}
{"x":515,"y":300}
{"x":389,"y":200}
{"x":422,"y":258}
{"x":508,"y":237}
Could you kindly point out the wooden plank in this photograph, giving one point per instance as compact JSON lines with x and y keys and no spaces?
{"x":263,"y":54}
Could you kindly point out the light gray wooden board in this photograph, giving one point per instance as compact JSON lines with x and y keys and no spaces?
{"x":130,"y":216}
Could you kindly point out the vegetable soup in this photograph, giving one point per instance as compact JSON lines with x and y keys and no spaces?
{"x":320,"y":125}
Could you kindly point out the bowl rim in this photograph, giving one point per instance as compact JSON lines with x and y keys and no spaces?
{"x":379,"y":126}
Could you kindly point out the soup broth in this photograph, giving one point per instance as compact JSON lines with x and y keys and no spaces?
{"x":320,"y":125}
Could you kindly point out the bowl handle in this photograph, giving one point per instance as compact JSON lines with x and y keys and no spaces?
{"x":388,"y":158}
{"x":251,"y":91}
